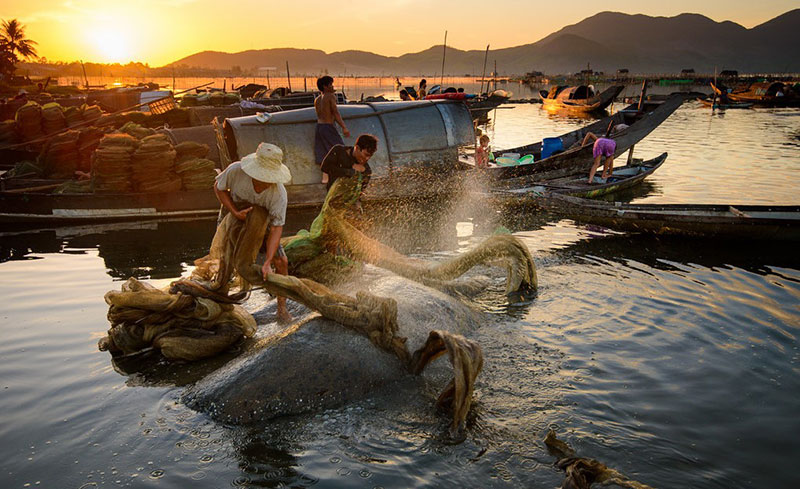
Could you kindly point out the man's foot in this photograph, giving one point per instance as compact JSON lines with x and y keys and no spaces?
{"x":324,"y":178}
{"x":284,"y":317}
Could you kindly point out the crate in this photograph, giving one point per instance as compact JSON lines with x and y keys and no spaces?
{"x":163,"y":105}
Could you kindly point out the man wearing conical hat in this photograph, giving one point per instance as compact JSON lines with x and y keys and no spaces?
{"x":258,"y":180}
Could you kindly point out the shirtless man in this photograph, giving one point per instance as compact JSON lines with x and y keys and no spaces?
{"x":326,"y":136}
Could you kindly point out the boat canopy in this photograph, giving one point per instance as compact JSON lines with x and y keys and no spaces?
{"x":417,"y":133}
{"x":576,"y":93}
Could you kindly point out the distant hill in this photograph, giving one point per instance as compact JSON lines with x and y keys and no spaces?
{"x":607,"y":41}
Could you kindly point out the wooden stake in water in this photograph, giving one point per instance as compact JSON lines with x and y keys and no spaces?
{"x":444,"y":52}
{"x":483,"y":75}
{"x":288,"y":78}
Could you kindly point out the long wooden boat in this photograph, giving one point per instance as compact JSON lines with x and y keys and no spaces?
{"x":621,"y":178}
{"x":417,"y":142}
{"x":579,"y":99}
{"x":762,"y":222}
{"x":288,"y":100}
{"x":576,"y":158}
{"x":762,"y":93}
{"x":725,"y":105}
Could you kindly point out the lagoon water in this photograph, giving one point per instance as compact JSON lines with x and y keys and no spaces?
{"x":675,"y":361}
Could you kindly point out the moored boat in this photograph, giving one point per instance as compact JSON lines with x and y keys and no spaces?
{"x":726,"y":105}
{"x":581,"y":99}
{"x":621,"y":178}
{"x":568,"y":157}
{"x":288,"y":100}
{"x":768,"y":94}
{"x":758,"y":222}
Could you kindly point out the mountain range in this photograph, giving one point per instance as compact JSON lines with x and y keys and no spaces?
{"x":606,"y":41}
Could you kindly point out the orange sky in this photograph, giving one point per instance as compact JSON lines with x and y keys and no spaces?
{"x":167,"y":30}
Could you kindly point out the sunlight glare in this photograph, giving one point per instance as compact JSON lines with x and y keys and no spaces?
{"x":111,"y":45}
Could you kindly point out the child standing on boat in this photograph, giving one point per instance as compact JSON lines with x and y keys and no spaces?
{"x":326,"y":136}
{"x":482,"y":152}
{"x":602,"y":151}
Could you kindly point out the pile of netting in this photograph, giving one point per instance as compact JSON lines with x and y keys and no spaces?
{"x":582,"y":472}
{"x":231,"y":263}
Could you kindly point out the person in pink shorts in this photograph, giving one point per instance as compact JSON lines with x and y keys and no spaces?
{"x":603,"y":150}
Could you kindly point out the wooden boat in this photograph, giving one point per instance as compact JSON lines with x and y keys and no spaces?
{"x":762,"y":93}
{"x":763,"y":222}
{"x":528,"y":158}
{"x":621,"y":178}
{"x":479,"y":105}
{"x":417,"y":142}
{"x":579,"y":99}
{"x":725,"y":105}
{"x":288,"y":100}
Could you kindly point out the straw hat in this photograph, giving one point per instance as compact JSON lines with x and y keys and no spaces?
{"x":266,"y":164}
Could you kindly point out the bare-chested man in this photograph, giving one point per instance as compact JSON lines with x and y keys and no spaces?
{"x":326,"y":135}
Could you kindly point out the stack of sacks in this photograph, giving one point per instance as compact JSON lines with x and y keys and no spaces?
{"x":29,"y":121}
{"x":232,"y":98}
{"x":217,"y":98}
{"x":91,"y":113}
{"x":204,"y":98}
{"x":136,"y":117}
{"x":136,"y":130}
{"x":73,"y":116}
{"x":88,"y":141}
{"x":60,"y":155}
{"x":111,"y":164}
{"x":189,"y":100}
{"x":176,"y":117}
{"x":53,"y":119}
{"x":8,"y":132}
{"x":196,"y":172}
{"x":153,"y":166}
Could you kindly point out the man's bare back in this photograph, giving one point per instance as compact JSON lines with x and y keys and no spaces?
{"x":325,"y":105}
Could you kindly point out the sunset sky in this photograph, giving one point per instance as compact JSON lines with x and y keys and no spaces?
{"x":159,"y":32}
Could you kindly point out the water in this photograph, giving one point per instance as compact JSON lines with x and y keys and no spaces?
{"x":674,"y":361}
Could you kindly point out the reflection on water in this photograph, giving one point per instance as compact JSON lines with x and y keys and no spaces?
{"x":675,"y":361}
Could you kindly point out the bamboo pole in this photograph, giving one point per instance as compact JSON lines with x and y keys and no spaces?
{"x":444,"y":53}
{"x":483,"y":76}
{"x":288,"y":78}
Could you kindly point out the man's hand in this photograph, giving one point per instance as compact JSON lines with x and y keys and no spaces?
{"x":346,"y":132}
{"x":359,"y":167}
{"x":266,"y":270}
{"x":242,"y":213}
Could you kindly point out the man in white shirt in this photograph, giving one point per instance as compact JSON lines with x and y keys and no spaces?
{"x":258,"y":180}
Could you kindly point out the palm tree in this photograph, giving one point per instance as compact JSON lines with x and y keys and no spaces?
{"x":12,"y":40}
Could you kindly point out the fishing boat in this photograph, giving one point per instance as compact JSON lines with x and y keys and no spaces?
{"x":579,"y":99}
{"x":621,"y":178}
{"x":768,"y":94}
{"x":562,"y":156}
{"x":289,"y":100}
{"x":716,"y":104}
{"x":761,"y":222}
{"x":479,"y":105}
{"x":416,"y":139}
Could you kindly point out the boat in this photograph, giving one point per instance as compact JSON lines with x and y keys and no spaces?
{"x":716,"y":104}
{"x":565,"y":156}
{"x":479,"y":105}
{"x":762,"y":93}
{"x":762,"y":222}
{"x":289,"y":100}
{"x":415,"y":139}
{"x":621,"y":178}
{"x":579,"y":99}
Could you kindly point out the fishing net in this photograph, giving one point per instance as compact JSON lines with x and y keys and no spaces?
{"x":196,"y":173}
{"x":231,"y":264}
{"x":111,"y":165}
{"x":581,"y":472}
{"x":60,"y":155}
{"x":53,"y":119}
{"x":153,"y":165}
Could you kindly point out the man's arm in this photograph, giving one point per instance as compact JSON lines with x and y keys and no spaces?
{"x":337,"y":116}
{"x":273,"y":240}
{"x":224,"y":198}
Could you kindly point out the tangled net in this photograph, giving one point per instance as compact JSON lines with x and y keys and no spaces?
{"x":583,"y":472}
{"x":143,"y":316}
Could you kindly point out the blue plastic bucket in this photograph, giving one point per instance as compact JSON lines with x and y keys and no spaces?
{"x":550,"y":146}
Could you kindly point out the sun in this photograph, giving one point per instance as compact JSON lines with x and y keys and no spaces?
{"x":111,"y":46}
